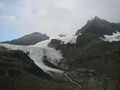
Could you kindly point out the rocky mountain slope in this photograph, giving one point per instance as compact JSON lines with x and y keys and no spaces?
{"x":92,"y":62}
{"x":30,"y":39}
{"x":94,"y":65}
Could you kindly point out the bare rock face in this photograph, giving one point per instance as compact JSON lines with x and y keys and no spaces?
{"x":55,"y":43}
{"x":30,"y":39}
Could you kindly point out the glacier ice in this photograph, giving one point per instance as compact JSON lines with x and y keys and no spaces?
{"x":37,"y":53}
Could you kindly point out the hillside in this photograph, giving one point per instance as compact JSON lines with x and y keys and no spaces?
{"x":29,"y":39}
{"x":18,"y":72}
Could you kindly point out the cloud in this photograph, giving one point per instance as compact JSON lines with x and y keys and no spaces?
{"x":5,"y":20}
{"x":54,"y":16}
{"x":52,"y":22}
{"x":2,"y":5}
{"x":71,"y":4}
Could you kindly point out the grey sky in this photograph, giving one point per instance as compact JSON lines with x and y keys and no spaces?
{"x":53,"y":16}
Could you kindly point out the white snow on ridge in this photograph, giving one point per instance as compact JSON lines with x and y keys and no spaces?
{"x":69,"y":39}
{"x":111,"y":38}
{"x":42,"y":43}
{"x":37,"y":53}
{"x":64,"y":40}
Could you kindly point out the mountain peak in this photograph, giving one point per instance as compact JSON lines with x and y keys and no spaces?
{"x":36,"y":33}
{"x":96,"y":20}
{"x":29,"y":39}
{"x":99,"y":27}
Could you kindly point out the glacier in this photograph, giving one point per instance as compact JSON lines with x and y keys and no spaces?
{"x":37,"y":53}
{"x":41,"y":49}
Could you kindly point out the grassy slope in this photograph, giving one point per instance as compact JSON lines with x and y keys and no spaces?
{"x":31,"y":83}
{"x":18,"y":72}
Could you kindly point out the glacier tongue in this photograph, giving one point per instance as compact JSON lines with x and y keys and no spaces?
{"x":37,"y":53}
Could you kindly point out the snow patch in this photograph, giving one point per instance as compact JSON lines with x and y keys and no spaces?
{"x":42,"y":43}
{"x":111,"y":38}
{"x":64,"y":40}
{"x":69,"y":39}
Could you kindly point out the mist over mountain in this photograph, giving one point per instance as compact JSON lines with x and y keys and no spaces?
{"x":29,"y":39}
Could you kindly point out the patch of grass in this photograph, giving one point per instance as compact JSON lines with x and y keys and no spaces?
{"x":24,"y":82}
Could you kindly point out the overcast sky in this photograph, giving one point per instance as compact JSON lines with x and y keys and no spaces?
{"x":20,"y":17}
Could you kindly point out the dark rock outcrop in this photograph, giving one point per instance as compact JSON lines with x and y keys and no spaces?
{"x":55,"y":43}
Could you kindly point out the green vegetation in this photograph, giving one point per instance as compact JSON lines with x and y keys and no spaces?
{"x":24,"y":82}
{"x":14,"y":63}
